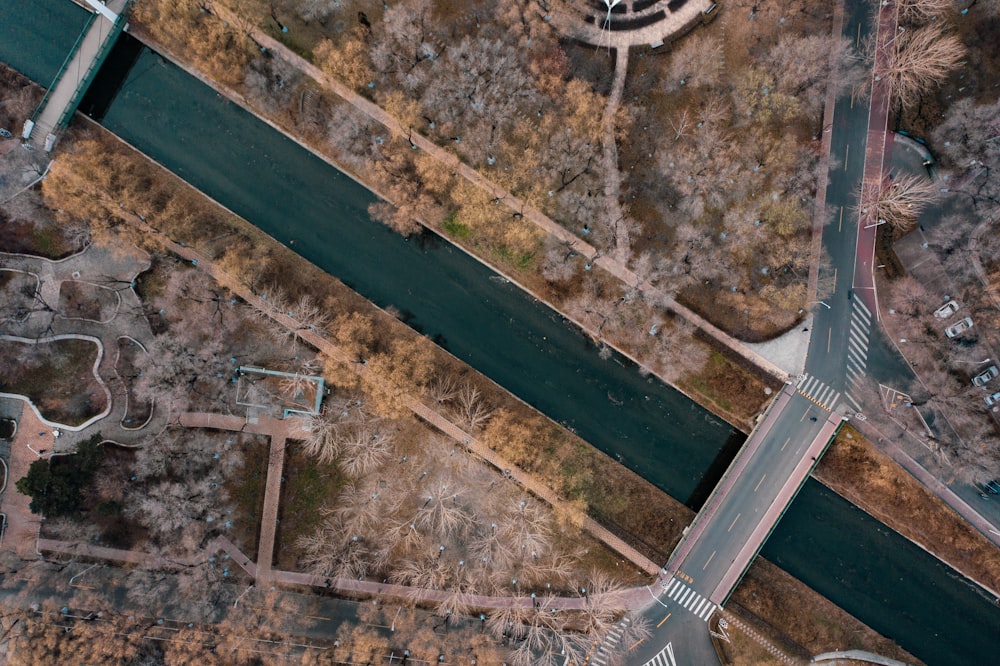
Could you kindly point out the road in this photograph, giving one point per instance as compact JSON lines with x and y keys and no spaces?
{"x":797,"y":428}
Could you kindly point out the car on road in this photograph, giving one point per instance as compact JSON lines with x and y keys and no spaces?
{"x":985,"y":376}
{"x":959,"y":327}
{"x":946,"y":310}
{"x":993,"y":399}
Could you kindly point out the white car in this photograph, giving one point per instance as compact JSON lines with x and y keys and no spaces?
{"x":985,"y":376}
{"x":959,"y":327}
{"x":993,"y":399}
{"x":946,"y":310}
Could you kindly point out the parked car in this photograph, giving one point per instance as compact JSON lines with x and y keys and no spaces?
{"x":959,"y":327}
{"x":946,"y":310}
{"x":993,"y":399}
{"x":985,"y":376}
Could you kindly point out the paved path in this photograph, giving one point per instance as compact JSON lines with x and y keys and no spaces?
{"x":436,"y":419}
{"x":877,"y":146}
{"x":22,"y":526}
{"x":610,"y":171}
{"x":279,"y":430}
{"x":454,"y":165}
{"x":77,"y":74}
{"x":114,"y":269}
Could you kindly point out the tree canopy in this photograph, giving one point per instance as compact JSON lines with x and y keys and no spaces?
{"x":55,"y":485}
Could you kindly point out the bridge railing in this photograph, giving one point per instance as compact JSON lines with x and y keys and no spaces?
{"x":95,"y":64}
{"x":64,"y":66}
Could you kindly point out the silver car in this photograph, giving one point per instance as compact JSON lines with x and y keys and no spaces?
{"x":985,"y":376}
{"x":959,"y":327}
{"x":993,"y":399}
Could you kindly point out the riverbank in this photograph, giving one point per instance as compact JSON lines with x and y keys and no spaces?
{"x":681,"y":349}
{"x":628,"y":505}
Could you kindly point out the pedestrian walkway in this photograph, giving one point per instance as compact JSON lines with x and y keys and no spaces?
{"x":610,"y":646}
{"x":857,"y":349}
{"x":630,"y":23}
{"x":453,"y":164}
{"x":279,"y":431}
{"x":817,"y":391}
{"x":21,"y":530}
{"x":436,"y":419}
{"x":113,"y":268}
{"x":73,"y":79}
{"x":685,"y":597}
{"x":664,"y":657}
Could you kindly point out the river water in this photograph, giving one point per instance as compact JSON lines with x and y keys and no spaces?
{"x":823,"y":540}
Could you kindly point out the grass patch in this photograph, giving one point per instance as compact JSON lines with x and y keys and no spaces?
{"x":246,"y":493}
{"x":56,"y":376}
{"x":518,"y":260}
{"x":455,"y":228}
{"x":306,"y":489}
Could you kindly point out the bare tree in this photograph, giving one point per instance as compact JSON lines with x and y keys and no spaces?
{"x":922,"y":11}
{"x":924,"y":57}
{"x":472,"y":408}
{"x":903,"y":198}
{"x":364,"y":449}
{"x":441,"y":512}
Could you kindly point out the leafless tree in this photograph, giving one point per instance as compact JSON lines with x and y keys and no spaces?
{"x":472,"y":408}
{"x":924,"y":57}
{"x":902,"y":199}
{"x":918,"y":12}
{"x":441,"y":511}
{"x":364,"y":449}
{"x":442,"y":389}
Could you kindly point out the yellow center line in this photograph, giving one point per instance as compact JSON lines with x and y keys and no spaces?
{"x":857,"y":41}
{"x":708,"y":560}
{"x":661,"y":623}
{"x":734,"y":522}
{"x":847,"y":153}
{"x":829,"y":339}
{"x":786,"y":443}
{"x":760,"y":482}
{"x":835,"y":278}
{"x":840,"y":225}
{"x":804,"y":415}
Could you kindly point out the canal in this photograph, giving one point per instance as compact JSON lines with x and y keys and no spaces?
{"x":824,"y":541}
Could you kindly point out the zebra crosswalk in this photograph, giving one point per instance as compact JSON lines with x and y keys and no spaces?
{"x":664,"y":657}
{"x":857,"y":346}
{"x":688,"y":599}
{"x":817,"y":391}
{"x":614,"y":636}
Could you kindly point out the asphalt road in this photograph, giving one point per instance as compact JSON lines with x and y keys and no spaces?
{"x":681,"y":606}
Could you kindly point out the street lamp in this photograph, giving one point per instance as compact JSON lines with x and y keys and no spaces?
{"x":985,"y":360}
{"x":825,"y":305}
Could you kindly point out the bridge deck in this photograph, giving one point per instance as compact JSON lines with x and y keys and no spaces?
{"x":67,"y":91}
{"x":753,"y":494}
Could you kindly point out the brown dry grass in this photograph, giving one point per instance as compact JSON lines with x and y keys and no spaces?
{"x":854,"y":468}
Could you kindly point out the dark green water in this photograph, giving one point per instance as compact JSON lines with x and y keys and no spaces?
{"x":823,"y":540}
